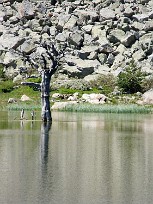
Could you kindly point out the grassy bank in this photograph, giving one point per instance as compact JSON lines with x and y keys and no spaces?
{"x":25,"y":106}
{"x":122,"y":108}
{"x":116,"y":106}
{"x":33,"y":104}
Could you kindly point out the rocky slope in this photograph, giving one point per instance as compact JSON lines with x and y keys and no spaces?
{"x":101,"y":36}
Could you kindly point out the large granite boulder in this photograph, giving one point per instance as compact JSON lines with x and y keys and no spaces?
{"x":62,"y":105}
{"x":147,"y":97}
{"x":94,"y":98}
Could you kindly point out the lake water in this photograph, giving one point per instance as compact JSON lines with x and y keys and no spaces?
{"x":82,"y":158}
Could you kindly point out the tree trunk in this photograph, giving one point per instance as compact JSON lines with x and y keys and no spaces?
{"x":45,"y":94}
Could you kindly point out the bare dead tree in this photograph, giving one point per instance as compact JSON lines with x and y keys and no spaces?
{"x":48,"y":62}
{"x":47,"y":71}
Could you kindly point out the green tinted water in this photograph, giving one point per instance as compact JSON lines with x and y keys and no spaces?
{"x":82,"y":159}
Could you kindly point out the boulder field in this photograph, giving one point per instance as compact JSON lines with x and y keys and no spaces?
{"x":100,"y":36}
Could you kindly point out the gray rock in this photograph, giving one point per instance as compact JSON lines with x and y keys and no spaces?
{"x":150,"y":14}
{"x":150,"y":59}
{"x":71,"y":71}
{"x":110,"y":59}
{"x":118,"y":62}
{"x":89,"y":52}
{"x":2,"y":29}
{"x":62,"y":20}
{"x":128,"y":40}
{"x":106,"y":48}
{"x":74,"y":97}
{"x":94,"y":98}
{"x":93,"y":56}
{"x":57,"y":96}
{"x":71,"y":23}
{"x":26,"y":9}
{"x":102,"y":58}
{"x":148,"y":26}
{"x":61,"y":105}
{"x":25,"y":98}
{"x":10,"y":57}
{"x":91,"y":77}
{"x":146,"y":66}
{"x":139,"y":55}
{"x":144,"y":1}
{"x":146,"y":42}
{"x":102,"y":69}
{"x":147,"y":97}
{"x":87,"y":28}
{"x":99,"y":32}
{"x":75,"y":39}
{"x":27,"y":47}
{"x":116,"y":35}
{"x":97,"y":2}
{"x":103,"y":3}
{"x":60,"y":38}
{"x":2,"y":15}
{"x":81,"y":67}
{"x":137,"y":26}
{"x":88,"y":40}
{"x":12,"y":100}
{"x":14,"y":20}
{"x":53,"y":31}
{"x":106,"y":14}
{"x":120,"y":49}
{"x":35,"y":26}
{"x":18,"y":78}
{"x":141,"y":17}
{"x":9,"y":41}
{"x":86,"y":15}
{"x":128,"y":11}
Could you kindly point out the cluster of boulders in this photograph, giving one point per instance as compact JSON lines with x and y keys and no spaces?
{"x":23,"y":98}
{"x":74,"y":99}
{"x":62,"y":100}
{"x":98,"y":37}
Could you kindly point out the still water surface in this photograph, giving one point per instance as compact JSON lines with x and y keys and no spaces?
{"x":83,"y":159}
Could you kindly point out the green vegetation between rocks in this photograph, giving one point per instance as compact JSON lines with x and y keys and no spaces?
{"x":129,"y":81}
{"x":1,"y":71}
{"x":17,"y":93}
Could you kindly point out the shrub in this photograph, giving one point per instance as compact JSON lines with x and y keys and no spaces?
{"x":6,"y":86}
{"x":25,"y":90}
{"x":105,"y":83}
{"x":130,"y":80}
{"x":34,"y":80}
{"x":147,"y":83}
{"x":74,"y":84}
{"x":1,"y":71}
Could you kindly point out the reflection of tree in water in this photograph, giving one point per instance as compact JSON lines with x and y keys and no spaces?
{"x":44,"y":149}
{"x":45,"y":128}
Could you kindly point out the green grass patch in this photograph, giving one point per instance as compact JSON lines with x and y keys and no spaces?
{"x":34,"y":80}
{"x":72,"y":91}
{"x":6,"y":86}
{"x":132,"y":108}
{"x":17,"y":107}
{"x":16,"y":94}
